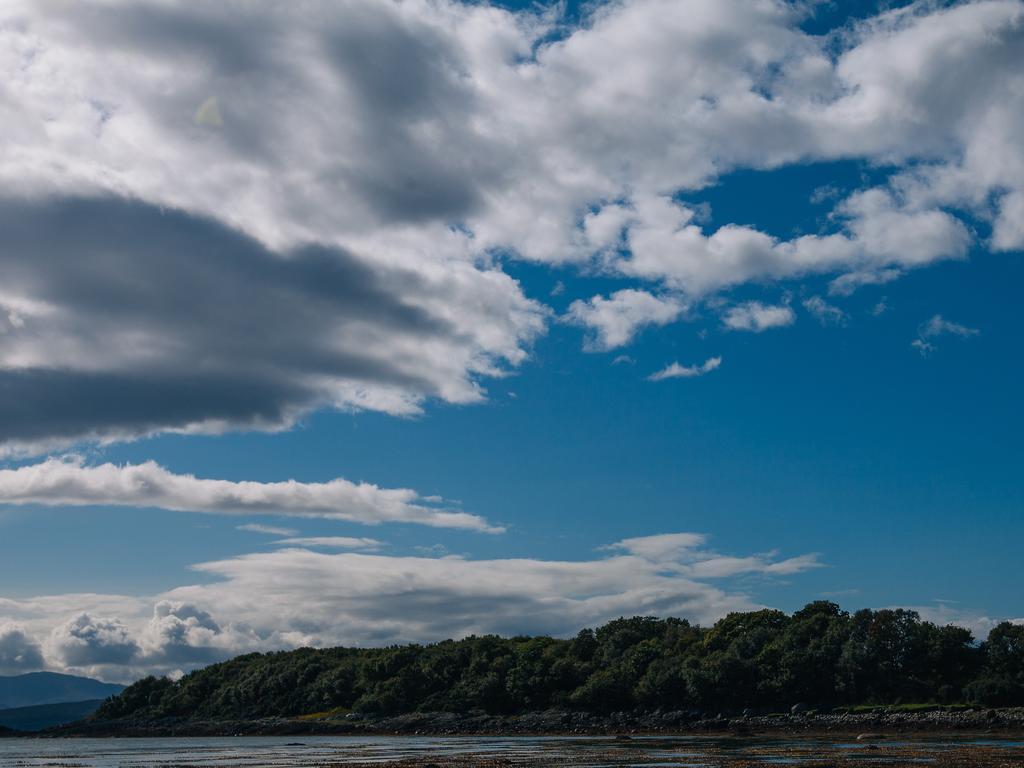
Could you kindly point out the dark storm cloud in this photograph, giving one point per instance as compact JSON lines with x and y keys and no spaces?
{"x":37,"y":406}
{"x":158,"y":319}
{"x":111,"y":256}
{"x":18,"y":651}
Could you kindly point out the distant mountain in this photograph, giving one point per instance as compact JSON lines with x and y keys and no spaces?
{"x":45,"y":715}
{"x":51,"y":688}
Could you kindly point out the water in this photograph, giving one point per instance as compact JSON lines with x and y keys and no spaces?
{"x":489,"y":752}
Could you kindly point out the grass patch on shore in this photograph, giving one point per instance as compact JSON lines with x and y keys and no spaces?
{"x":324,"y":715}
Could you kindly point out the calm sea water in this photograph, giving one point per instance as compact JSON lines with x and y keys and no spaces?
{"x":318,"y":752}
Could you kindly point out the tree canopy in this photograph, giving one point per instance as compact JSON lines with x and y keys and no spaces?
{"x":766,"y":660}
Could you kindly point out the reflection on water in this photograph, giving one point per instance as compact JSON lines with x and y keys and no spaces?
{"x":489,"y":752}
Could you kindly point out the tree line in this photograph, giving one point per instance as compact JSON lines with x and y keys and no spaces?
{"x":764,"y":660}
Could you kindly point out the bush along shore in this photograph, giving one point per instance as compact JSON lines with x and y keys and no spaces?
{"x":870,"y":724}
{"x":812,"y":669}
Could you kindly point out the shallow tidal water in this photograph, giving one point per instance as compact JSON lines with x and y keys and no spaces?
{"x":497,"y":752}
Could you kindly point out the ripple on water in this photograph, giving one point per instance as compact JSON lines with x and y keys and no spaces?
{"x":504,"y":752}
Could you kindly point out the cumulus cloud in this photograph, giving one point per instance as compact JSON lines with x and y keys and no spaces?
{"x":972,"y":50}
{"x":295,"y":597}
{"x":677,"y":371}
{"x":757,"y":317}
{"x":87,"y":641}
{"x":617,"y":319}
{"x":181,"y":636}
{"x":317,"y":227}
{"x":69,"y":482}
{"x":876,"y":229}
{"x":18,"y":651}
{"x":148,"y":635}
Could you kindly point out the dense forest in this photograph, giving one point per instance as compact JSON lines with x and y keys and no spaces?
{"x":764,"y":660}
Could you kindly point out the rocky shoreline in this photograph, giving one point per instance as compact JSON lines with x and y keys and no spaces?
{"x":882,"y":721}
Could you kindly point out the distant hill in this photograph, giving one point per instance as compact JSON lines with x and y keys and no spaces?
{"x":46,"y":715}
{"x":38,"y":688}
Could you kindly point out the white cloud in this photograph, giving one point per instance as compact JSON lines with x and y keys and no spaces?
{"x":69,"y":482}
{"x":825,"y":193}
{"x":826,"y":314}
{"x":845,"y":285}
{"x":757,"y":317}
{"x":937,"y":326}
{"x":877,"y":230}
{"x":332,"y":542}
{"x":617,"y":319}
{"x":662,"y":546}
{"x":270,"y":530}
{"x":295,"y":597}
{"x":942,"y":613}
{"x":433,"y":550}
{"x":890,"y":232}
{"x":949,"y":80}
{"x":1008,"y":229}
{"x":687,"y":553}
{"x":677,"y":371}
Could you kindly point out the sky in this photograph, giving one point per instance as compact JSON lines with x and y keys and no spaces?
{"x":362,"y":322}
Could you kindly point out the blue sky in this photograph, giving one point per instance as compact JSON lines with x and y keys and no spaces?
{"x":824,"y":456}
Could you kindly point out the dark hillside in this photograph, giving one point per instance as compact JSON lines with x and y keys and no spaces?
{"x":46,"y":715}
{"x":37,"y":688}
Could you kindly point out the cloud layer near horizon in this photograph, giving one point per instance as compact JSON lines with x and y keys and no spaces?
{"x":294,"y":597}
{"x":218,"y":219}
